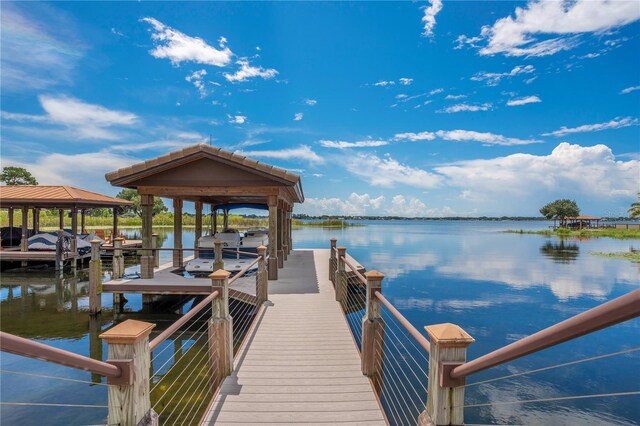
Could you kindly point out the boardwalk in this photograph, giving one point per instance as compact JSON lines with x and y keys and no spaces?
{"x":299,"y":364}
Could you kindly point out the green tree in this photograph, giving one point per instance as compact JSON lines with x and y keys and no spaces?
{"x":132,"y":195}
{"x":634,"y":211}
{"x":17,"y":176}
{"x":560,"y":210}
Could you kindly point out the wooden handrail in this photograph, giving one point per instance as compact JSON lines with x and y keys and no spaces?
{"x":25,"y":347}
{"x":422,"y":341}
{"x":247,"y":253}
{"x":354,"y":269}
{"x":243,"y":270}
{"x":182,"y":321}
{"x":613,"y":312}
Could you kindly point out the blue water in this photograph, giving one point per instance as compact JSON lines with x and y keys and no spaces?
{"x":499,"y":287}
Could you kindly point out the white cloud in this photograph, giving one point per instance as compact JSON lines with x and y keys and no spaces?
{"x":466,"y":108}
{"x":310,"y":102}
{"x":82,"y":120}
{"x":298,"y":116}
{"x":455,"y":97}
{"x":303,"y":152}
{"x":384,"y":83}
{"x":465,"y":135}
{"x":38,"y":50}
{"x":387,"y":172}
{"x":354,"y":205}
{"x":237,"y":119}
{"x":570,"y":171}
{"x":494,"y":78}
{"x":401,"y":96}
{"x":345,"y":145}
{"x":524,"y":101}
{"x":197,"y":79}
{"x":429,"y":18}
{"x":436,"y":91}
{"x":178,"y":47}
{"x":247,"y":71}
{"x":405,"y":81}
{"x":168,"y":145}
{"x":412,"y":207}
{"x":629,"y":90}
{"x":562,"y":21}
{"x":613,"y":124}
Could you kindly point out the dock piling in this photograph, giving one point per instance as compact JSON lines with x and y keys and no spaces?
{"x":340,"y":279}
{"x":220,"y":329}
{"x":262,"y":283}
{"x":373,"y":330}
{"x":95,"y":279}
{"x":118,"y":258}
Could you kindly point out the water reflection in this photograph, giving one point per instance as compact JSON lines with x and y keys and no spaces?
{"x":560,"y":252}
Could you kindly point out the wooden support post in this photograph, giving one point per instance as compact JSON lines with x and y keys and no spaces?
{"x":285,"y":227}
{"x":214,"y":222}
{"x":218,"y":263}
{"x":118,"y":258}
{"x":115,"y":222}
{"x":273,"y":238}
{"x":225,"y":220}
{"x":83,"y":213}
{"x":445,"y":397}
{"x":129,"y":404}
{"x":279,"y":240}
{"x":74,"y":231}
{"x":198,"y":208}
{"x":95,"y":279}
{"x":262,"y":284}
{"x":178,"y":256}
{"x":290,"y":228}
{"x":340,"y":280}
{"x":146,"y":260}
{"x":59,"y":262}
{"x":24,"y":244}
{"x":156,"y":253}
{"x":10,"y":213}
{"x":60,"y":219}
{"x":373,"y":332}
{"x":220,"y":328}
{"x":36,"y":220}
{"x":333,"y":261}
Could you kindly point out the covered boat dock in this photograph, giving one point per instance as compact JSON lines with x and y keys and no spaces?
{"x":34,"y":198}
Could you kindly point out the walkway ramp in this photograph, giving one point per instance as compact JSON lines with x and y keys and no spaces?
{"x":299,"y":363}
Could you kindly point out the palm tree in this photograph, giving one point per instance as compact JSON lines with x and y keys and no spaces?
{"x":634,"y":211}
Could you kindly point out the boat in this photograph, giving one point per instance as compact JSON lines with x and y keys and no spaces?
{"x":241,"y":242}
{"x":47,"y":241}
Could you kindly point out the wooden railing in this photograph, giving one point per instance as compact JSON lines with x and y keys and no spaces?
{"x":422,"y":381}
{"x":149,"y":383}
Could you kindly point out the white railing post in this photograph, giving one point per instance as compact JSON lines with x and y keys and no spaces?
{"x":262,"y":283}
{"x":372,"y":350}
{"x":445,"y":396}
{"x":130,"y":404}
{"x":340,"y":279}
{"x":95,"y":279}
{"x":220,"y":328}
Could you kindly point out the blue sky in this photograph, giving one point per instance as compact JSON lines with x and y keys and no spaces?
{"x":384,"y":108}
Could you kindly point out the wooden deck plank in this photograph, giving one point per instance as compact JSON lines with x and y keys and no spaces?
{"x":300,"y":364}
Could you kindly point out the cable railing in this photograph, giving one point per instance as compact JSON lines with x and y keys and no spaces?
{"x":172,"y":378}
{"x":420,"y":380}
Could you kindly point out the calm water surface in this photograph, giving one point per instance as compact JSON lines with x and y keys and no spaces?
{"x":499,"y":287}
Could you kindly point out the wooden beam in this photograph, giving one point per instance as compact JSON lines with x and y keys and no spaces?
{"x":177,"y":232}
{"x":24,"y":246}
{"x":273,"y":238}
{"x":61,"y":219}
{"x":198,"y":208}
{"x":208,"y":191}
{"x":146,"y":261}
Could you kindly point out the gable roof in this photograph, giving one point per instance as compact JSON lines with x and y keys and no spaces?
{"x":55,"y":196}
{"x":176,"y":169}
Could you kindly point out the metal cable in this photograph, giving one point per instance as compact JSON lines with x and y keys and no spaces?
{"x":407,"y":351}
{"x":53,"y":377}
{"x":554,"y":366}
{"x":560,"y":398}
{"x":403,"y":372}
{"x":404,"y":331}
{"x":205,"y":312}
{"x":395,"y":394}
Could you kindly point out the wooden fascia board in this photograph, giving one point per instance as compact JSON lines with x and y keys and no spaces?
{"x":189,"y":192}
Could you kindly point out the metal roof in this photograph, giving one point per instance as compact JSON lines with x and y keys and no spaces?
{"x":55,"y":196}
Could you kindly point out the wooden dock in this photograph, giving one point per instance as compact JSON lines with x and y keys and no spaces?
{"x":299,"y":363}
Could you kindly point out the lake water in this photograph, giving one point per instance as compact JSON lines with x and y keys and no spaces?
{"x":499,"y":287}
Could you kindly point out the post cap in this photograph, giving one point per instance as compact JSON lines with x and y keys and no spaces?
{"x":374,"y":275}
{"x":93,"y":242}
{"x":220,"y":274}
{"x":118,"y":239}
{"x":128,"y":332}
{"x":217,"y":242}
{"x":261,"y":248}
{"x":342,"y":249}
{"x":449,"y":335}
{"x":333,"y":240}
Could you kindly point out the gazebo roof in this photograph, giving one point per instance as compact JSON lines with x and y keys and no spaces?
{"x":55,"y":196}
{"x":209,"y":174}
{"x":583,"y":217}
